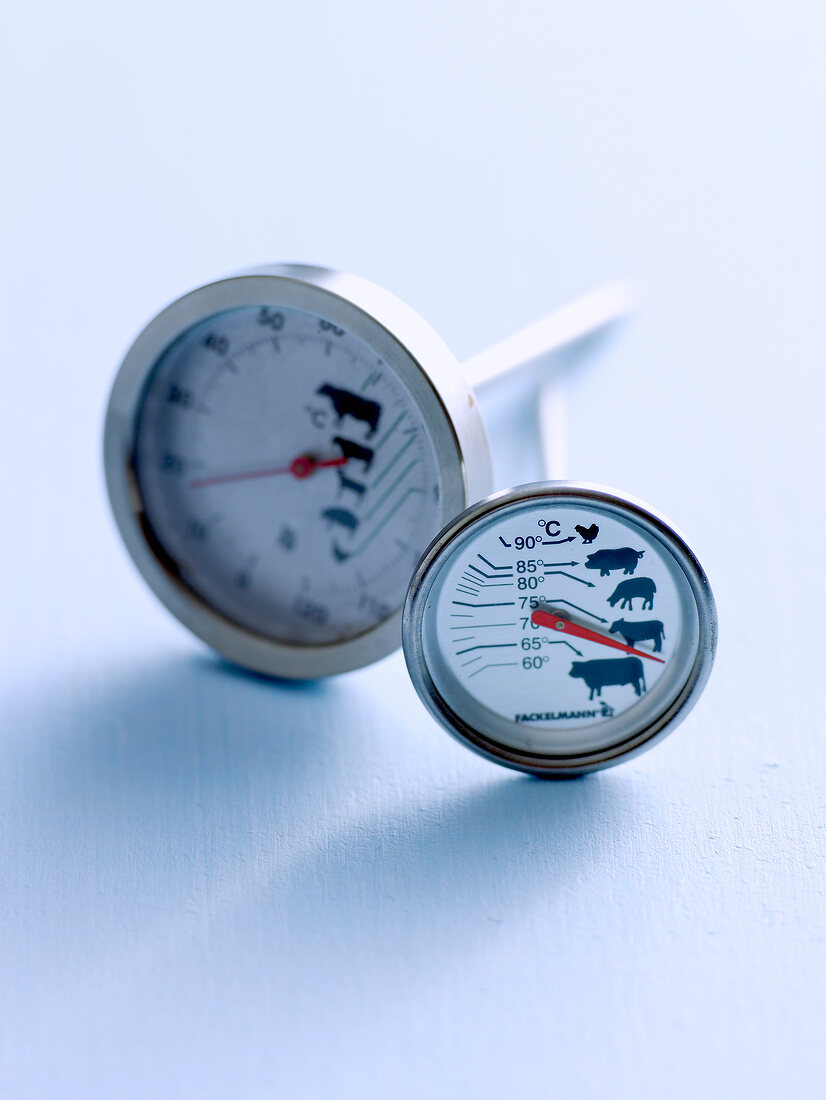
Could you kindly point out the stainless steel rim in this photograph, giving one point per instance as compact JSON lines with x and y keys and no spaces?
{"x":568,"y":764}
{"x":419,"y":358}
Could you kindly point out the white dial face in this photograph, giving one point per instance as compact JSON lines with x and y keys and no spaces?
{"x":559,"y":626}
{"x":286,"y":474}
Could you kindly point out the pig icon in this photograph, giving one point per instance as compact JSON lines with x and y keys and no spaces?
{"x":623,"y":558}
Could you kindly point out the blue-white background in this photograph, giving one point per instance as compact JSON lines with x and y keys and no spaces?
{"x":215,"y":886}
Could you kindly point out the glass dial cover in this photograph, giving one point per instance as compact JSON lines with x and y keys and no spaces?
{"x":280,"y":446}
{"x":558,"y":628}
{"x":287,"y":473}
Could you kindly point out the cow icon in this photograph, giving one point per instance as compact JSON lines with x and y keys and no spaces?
{"x":651,"y":630}
{"x":615,"y":672}
{"x":346,"y":403}
{"x":355,"y":451}
{"x":628,"y":591}
{"x":345,"y":483}
{"x":623,"y":558}
{"x":588,"y":533}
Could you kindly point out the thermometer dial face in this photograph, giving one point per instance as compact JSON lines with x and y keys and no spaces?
{"x":278,"y":457}
{"x":287,"y":473}
{"x":559,"y":628}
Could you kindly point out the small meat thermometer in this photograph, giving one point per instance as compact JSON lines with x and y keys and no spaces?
{"x":280,"y":447}
{"x":559,"y":628}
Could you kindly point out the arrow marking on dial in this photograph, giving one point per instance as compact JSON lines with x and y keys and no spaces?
{"x":562,"y":573}
{"x":553,"y":599}
{"x":490,"y":564}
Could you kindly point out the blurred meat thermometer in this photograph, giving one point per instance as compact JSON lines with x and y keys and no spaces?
{"x":281,"y":446}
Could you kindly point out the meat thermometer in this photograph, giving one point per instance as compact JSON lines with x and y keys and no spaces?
{"x":559,"y":628}
{"x":281,"y":445}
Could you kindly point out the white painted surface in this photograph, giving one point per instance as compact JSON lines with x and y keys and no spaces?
{"x":215,"y":886}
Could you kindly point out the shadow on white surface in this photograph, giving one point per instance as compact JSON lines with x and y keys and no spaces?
{"x":291,"y":873}
{"x":187,"y":802}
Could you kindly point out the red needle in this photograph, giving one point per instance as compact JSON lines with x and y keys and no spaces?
{"x":556,"y":622}
{"x":300,"y":467}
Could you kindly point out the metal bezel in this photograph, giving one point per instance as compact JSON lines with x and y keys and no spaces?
{"x":419,"y":358}
{"x":569,"y":764}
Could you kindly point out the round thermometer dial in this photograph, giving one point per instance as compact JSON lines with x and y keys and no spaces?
{"x":280,"y":448}
{"x":559,"y":628}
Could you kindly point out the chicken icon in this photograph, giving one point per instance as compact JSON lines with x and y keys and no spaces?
{"x":588,"y":533}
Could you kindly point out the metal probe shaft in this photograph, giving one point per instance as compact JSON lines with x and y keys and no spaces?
{"x":580,"y":318}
